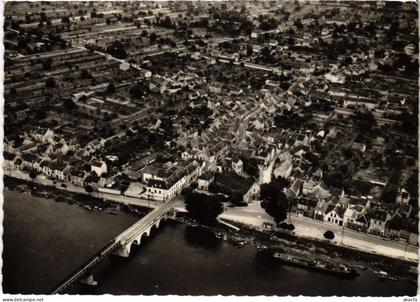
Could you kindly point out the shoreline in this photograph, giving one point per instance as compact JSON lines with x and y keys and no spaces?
{"x":271,"y":241}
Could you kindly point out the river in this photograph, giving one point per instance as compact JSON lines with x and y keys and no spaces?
{"x":44,"y":241}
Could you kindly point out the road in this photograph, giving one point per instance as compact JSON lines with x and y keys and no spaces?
{"x":178,"y":202}
{"x":146,"y":221}
{"x":254,"y":216}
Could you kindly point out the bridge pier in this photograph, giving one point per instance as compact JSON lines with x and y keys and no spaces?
{"x":123,"y":251}
{"x":88,"y":280}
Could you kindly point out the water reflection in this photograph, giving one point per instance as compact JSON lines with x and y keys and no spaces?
{"x":201,"y":238}
{"x":264,"y":262}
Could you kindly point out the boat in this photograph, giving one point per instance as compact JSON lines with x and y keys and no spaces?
{"x":385,"y":276}
{"x":262,"y":247}
{"x":319,"y":266}
{"x":242,"y":244}
{"x":218,"y":235}
{"x":112,"y":211}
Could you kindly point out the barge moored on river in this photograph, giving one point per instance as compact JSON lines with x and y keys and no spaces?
{"x":315,"y":265}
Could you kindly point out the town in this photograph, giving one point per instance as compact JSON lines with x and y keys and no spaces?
{"x":298,"y":116}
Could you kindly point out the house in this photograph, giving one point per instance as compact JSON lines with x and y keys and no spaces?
{"x":316,"y":191}
{"x":76,"y":177}
{"x":231,"y":164}
{"x":99,"y":167}
{"x":377,"y":221}
{"x":230,"y":183}
{"x":403,"y":197}
{"x":305,"y":207}
{"x":215,"y":87}
{"x":393,"y":226}
{"x":9,"y":143}
{"x":237,"y":166}
{"x":42,"y":135}
{"x":321,"y":209}
{"x":335,"y":214}
{"x":359,"y":147}
{"x":205,"y":180}
{"x":283,"y":168}
{"x":53,"y":169}
{"x":31,"y":161}
{"x":294,"y":189}
{"x":355,"y":218}
{"x":92,"y":181}
{"x":18,"y":164}
{"x":9,"y":161}
{"x":409,"y":230}
{"x":164,"y":181}
{"x":185,"y":155}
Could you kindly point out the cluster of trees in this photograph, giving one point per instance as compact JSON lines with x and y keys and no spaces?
{"x":364,"y":121}
{"x":274,"y":201}
{"x":250,"y":167}
{"x":117,"y":50}
{"x":202,"y":207}
{"x":290,"y":120}
{"x":69,"y":105}
{"x":268,"y":24}
{"x":139,"y":90}
{"x":50,"y":83}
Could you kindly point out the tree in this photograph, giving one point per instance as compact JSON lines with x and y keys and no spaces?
{"x":85,"y":74}
{"x":203,"y":207}
{"x":329,"y":235}
{"x":152,"y":38}
{"x":110,"y":89}
{"x":139,"y":90}
{"x":50,"y":83}
{"x":364,"y":121}
{"x":69,"y":104}
{"x":167,"y":22}
{"x":117,"y":50}
{"x":334,"y":179}
{"x":236,"y":198}
{"x":409,"y":122}
{"x":46,"y":65}
{"x":412,"y":185}
{"x":274,"y":201}
{"x":88,"y":188}
{"x":390,"y":195}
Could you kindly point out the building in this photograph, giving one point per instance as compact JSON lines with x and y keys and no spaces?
{"x":377,"y":221}
{"x":205,"y":180}
{"x":335,"y":214}
{"x":99,"y":167}
{"x":9,"y":161}
{"x":305,"y":207}
{"x":164,"y":181}
{"x":230,"y":183}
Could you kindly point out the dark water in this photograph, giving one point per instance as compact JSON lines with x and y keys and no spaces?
{"x":44,"y":241}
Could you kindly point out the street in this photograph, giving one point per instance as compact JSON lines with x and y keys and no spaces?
{"x":254,"y":215}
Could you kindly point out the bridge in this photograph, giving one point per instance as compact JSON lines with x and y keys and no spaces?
{"x":120,"y":245}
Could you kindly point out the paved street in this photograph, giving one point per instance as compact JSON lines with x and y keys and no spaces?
{"x":254,"y":215}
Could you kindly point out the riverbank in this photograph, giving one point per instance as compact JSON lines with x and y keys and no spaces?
{"x":253,"y":216}
{"x":268,"y":242}
{"x":86,"y":201}
{"x":265,"y":243}
{"x":247,"y":234}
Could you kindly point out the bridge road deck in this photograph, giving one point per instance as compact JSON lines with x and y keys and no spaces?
{"x":125,"y":237}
